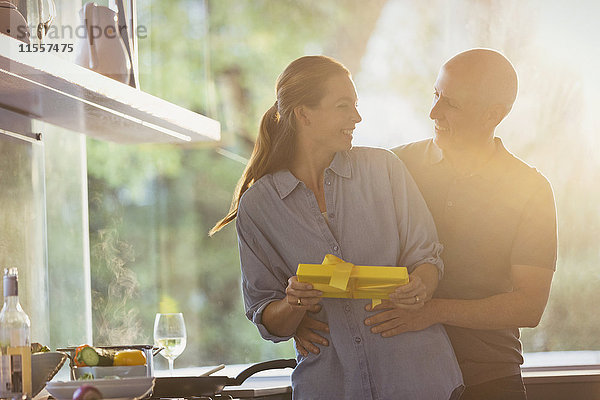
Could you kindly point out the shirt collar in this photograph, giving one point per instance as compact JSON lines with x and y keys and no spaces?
{"x":341,"y":164}
{"x":285,"y":182}
{"x":434,"y":152}
{"x":491,"y":170}
{"x":496,"y":168}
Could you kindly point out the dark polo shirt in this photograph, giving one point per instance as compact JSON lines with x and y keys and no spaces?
{"x":499,"y":216}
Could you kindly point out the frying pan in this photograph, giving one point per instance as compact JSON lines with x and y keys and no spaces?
{"x":188,"y":386}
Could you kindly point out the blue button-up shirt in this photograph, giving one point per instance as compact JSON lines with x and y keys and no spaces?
{"x":376,"y":217}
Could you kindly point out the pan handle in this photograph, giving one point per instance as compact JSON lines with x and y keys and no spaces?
{"x":262,"y":366}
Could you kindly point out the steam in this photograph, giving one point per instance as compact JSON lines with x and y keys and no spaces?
{"x":117,"y":321}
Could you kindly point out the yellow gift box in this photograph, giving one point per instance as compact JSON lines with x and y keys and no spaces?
{"x":340,"y":279}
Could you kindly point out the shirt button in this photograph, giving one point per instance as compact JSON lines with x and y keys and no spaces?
{"x":357,"y":339}
{"x":335,"y":248}
{"x":450,"y":204}
{"x":328,"y":182}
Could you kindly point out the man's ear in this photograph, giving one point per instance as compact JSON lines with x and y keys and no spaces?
{"x":302,"y":115}
{"x":496,"y":113}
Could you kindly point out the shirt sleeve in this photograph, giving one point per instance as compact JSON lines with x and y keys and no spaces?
{"x":536,"y":240}
{"x":260,"y":285}
{"x":418,"y":235}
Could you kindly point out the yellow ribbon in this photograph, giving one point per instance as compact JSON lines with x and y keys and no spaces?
{"x":341,"y":276}
{"x":341,"y":273}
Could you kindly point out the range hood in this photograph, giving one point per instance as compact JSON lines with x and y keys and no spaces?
{"x":46,"y":87}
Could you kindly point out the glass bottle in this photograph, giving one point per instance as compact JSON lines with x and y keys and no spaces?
{"x":15,"y":342}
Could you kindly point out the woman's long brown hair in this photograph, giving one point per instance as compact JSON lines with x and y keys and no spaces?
{"x":300,"y":84}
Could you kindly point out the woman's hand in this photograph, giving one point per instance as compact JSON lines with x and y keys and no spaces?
{"x":411,"y":296}
{"x":301,"y":294}
{"x":282,"y":317}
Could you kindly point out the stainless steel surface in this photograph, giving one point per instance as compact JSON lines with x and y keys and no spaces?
{"x":146,"y":348}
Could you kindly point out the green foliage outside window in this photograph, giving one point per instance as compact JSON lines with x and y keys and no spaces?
{"x":151,"y":206}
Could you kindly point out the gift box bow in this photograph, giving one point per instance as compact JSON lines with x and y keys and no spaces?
{"x":340,"y":279}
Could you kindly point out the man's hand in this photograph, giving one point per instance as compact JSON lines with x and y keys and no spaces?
{"x":522,"y":307}
{"x":306,"y":336}
{"x":413,"y":295}
{"x":392,"y":321}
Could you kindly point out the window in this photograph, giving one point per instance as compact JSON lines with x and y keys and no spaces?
{"x":150,"y":207}
{"x":23,"y":227}
{"x":552,"y":126}
{"x":212,"y":59}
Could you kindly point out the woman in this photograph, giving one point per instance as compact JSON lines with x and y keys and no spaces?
{"x":307,"y":192}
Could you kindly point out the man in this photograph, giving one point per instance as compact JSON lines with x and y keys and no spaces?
{"x":496,"y":218}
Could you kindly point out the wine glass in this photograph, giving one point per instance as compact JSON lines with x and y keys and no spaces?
{"x":170,"y":335}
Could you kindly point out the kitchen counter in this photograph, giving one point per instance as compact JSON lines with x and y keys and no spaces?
{"x":543,"y":383}
{"x":262,"y":387}
{"x":548,"y":383}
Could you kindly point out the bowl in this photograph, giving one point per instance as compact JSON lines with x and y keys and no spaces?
{"x":43,"y":368}
{"x":110,"y":372}
{"x":125,"y":388}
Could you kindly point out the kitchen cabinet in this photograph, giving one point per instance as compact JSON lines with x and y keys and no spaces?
{"x":46,"y":87}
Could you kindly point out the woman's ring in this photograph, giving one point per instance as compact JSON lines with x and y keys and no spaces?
{"x":299,"y":302}
{"x":417,"y":299}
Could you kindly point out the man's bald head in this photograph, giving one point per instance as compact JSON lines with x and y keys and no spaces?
{"x":490,"y":75}
{"x":474,"y":92}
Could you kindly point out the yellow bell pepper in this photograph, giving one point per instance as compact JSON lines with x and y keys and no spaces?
{"x":129,"y":357}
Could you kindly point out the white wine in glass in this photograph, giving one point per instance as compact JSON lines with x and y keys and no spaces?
{"x":170,"y":335}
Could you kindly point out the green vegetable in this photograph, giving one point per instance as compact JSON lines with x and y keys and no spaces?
{"x":92,"y":358}
{"x":39,"y":348}
{"x":86,"y":377}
